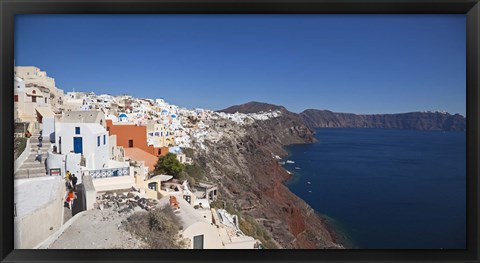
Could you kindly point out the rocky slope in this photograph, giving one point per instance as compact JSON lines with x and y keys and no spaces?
{"x":242,"y":163}
{"x":411,"y":120}
{"x":254,"y":107}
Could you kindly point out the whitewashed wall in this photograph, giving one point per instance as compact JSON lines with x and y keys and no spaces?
{"x":48,"y":131}
{"x":96,"y":156}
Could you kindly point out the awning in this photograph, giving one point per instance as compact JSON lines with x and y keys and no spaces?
{"x":45,"y":111}
{"x":34,"y":95}
{"x":162,"y":178}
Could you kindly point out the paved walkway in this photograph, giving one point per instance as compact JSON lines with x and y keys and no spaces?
{"x":97,"y":229}
{"x":77,"y":206}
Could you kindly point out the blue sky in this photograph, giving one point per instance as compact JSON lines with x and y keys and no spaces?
{"x":344,"y":63}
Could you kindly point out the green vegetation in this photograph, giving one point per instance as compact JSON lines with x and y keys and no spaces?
{"x":169,"y":164}
{"x":250,"y":227}
{"x":188,"y":152}
{"x":19,"y":145}
{"x":195,"y":171}
{"x":159,"y":228}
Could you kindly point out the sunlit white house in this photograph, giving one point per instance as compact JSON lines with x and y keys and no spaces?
{"x":88,"y":139}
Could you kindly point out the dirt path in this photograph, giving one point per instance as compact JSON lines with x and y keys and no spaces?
{"x":97,"y":229}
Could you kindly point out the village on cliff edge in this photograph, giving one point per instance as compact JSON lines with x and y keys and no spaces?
{"x":111,"y":144}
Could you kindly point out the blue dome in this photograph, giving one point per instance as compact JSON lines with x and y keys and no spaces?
{"x":123,"y":115}
{"x":164,"y":110}
{"x":174,"y":116}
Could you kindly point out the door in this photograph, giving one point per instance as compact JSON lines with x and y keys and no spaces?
{"x":198,"y":242}
{"x":77,"y":145}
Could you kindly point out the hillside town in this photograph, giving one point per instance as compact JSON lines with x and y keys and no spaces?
{"x":79,"y":153}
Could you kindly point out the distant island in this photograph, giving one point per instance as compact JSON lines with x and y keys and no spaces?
{"x":313,"y":118}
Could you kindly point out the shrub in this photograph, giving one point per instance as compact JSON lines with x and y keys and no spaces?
{"x":169,"y":164}
{"x":195,"y":171}
{"x":19,"y":146}
{"x":159,"y":228}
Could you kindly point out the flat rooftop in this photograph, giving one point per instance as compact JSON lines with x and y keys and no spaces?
{"x":35,"y":193}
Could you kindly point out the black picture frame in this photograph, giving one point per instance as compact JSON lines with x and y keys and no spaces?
{"x":9,"y":8}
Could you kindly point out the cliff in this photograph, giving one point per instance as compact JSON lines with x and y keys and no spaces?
{"x":242,"y":163}
{"x":411,"y":120}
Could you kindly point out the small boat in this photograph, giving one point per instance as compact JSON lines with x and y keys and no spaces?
{"x":297,"y":168}
{"x":309,"y":191}
{"x":290,"y":161}
{"x":309,"y":183}
{"x":289,"y":172}
{"x":282,"y":163}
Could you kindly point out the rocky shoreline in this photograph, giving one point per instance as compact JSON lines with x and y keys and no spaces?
{"x":335,"y":235}
{"x":250,"y":178}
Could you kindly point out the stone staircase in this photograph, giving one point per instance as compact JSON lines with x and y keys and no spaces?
{"x":31,"y":167}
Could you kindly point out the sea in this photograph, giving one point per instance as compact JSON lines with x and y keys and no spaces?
{"x":385,"y":188}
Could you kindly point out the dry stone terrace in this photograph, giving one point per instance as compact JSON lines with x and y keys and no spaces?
{"x":124,"y":201}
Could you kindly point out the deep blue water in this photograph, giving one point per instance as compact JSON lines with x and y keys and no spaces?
{"x":386,"y":189}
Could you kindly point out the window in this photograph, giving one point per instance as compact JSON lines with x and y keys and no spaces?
{"x":104,"y":139}
{"x":45,"y":100}
{"x":152,"y":186}
{"x":130,"y":143}
{"x":15,"y":98}
{"x":77,"y":130}
{"x":188,"y":198}
{"x":198,"y":242}
{"x":34,"y":99}
{"x":98,"y":141}
{"x":34,"y":92}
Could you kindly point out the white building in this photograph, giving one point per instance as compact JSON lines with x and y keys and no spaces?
{"x":197,"y":226}
{"x":88,"y":139}
{"x":123,"y":117}
{"x":230,"y":233}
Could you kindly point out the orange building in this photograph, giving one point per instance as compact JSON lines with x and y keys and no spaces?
{"x":135,"y":153}
{"x":130,"y":136}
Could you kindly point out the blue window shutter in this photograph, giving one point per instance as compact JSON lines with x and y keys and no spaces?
{"x":77,"y":130}
{"x":98,"y":141}
{"x":104,"y":139}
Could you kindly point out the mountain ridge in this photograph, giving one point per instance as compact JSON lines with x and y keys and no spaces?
{"x":314,"y":118}
{"x":253,"y":107}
